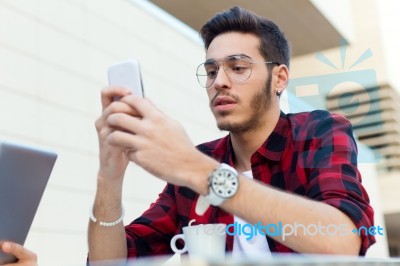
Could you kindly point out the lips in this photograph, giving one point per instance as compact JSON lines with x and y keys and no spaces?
{"x":224,"y":104}
{"x":223,"y":100}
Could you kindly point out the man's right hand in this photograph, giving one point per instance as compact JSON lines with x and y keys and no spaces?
{"x":109,"y":243}
{"x":113,"y":160}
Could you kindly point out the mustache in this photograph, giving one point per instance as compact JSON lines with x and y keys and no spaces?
{"x":224,"y":93}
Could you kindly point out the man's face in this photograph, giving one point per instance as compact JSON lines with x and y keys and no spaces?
{"x":239,"y":106}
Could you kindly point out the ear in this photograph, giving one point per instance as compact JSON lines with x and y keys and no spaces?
{"x":282,"y":73}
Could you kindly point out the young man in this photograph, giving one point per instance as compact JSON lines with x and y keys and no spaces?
{"x":276,"y":167}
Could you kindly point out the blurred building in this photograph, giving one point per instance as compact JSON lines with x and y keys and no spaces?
{"x":53,"y":61}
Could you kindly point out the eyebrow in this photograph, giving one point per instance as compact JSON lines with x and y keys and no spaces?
{"x":211,"y":60}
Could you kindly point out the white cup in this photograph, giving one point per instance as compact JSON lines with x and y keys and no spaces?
{"x":204,"y":241}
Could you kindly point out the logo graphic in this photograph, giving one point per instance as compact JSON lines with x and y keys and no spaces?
{"x":283,"y":230}
{"x":287,"y":230}
{"x":351,"y":93}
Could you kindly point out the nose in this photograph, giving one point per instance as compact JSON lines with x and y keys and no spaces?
{"x":222,"y":80}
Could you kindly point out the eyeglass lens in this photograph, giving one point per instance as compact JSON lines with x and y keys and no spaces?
{"x":237,"y":68}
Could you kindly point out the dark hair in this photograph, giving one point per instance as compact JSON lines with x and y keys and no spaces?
{"x":273,"y":47}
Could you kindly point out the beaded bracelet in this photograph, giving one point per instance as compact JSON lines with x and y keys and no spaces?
{"x":108,"y":224}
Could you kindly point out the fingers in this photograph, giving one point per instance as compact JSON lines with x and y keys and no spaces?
{"x":124,"y":140}
{"x":125,"y":122}
{"x":129,"y":104}
{"x":122,"y":121}
{"x":143,"y":106}
{"x":108,"y":94}
{"x":119,"y":130}
{"x":120,"y":107}
{"x":114,"y":107}
{"x":21,"y":253}
{"x":128,"y":114}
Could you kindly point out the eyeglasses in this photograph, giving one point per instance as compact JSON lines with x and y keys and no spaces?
{"x":237,"y":67}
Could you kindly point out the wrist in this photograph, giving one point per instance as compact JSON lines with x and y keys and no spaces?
{"x":114,"y":222}
{"x":198,"y":173}
{"x":104,"y":180}
{"x":108,"y":196}
{"x":110,"y":174}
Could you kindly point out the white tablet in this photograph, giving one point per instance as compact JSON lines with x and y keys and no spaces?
{"x":24,"y":172}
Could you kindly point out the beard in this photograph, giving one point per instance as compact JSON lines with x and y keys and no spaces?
{"x":259,"y":104}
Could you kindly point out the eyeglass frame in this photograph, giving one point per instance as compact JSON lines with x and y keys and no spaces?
{"x":223,"y":64}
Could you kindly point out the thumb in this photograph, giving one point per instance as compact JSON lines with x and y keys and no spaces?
{"x":21,"y":253}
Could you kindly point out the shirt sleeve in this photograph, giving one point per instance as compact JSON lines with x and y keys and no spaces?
{"x":150,"y":234}
{"x":331,"y":156}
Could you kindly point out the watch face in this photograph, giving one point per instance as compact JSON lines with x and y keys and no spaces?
{"x":225,"y":183}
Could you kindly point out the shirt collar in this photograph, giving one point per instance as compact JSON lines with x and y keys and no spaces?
{"x":271,"y":149}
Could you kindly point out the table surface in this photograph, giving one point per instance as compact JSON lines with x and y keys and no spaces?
{"x":278,"y":260}
{"x":275,"y":260}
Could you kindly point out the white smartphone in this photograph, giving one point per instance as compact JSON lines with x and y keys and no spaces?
{"x":126,"y":74}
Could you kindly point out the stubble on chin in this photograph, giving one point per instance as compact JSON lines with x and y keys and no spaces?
{"x":259,"y":104}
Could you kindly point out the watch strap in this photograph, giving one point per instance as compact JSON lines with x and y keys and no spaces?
{"x":213,"y":198}
{"x":202,"y":205}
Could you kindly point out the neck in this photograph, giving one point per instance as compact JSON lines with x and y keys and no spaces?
{"x":245,"y":144}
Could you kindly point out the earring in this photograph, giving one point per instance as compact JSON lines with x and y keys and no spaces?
{"x":278,"y":93}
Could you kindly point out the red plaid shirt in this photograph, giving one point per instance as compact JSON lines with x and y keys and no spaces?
{"x":309,"y":154}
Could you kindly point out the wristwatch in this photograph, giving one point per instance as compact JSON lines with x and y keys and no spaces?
{"x":223,"y":184}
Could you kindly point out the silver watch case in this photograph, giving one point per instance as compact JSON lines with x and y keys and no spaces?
{"x":223,"y":184}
